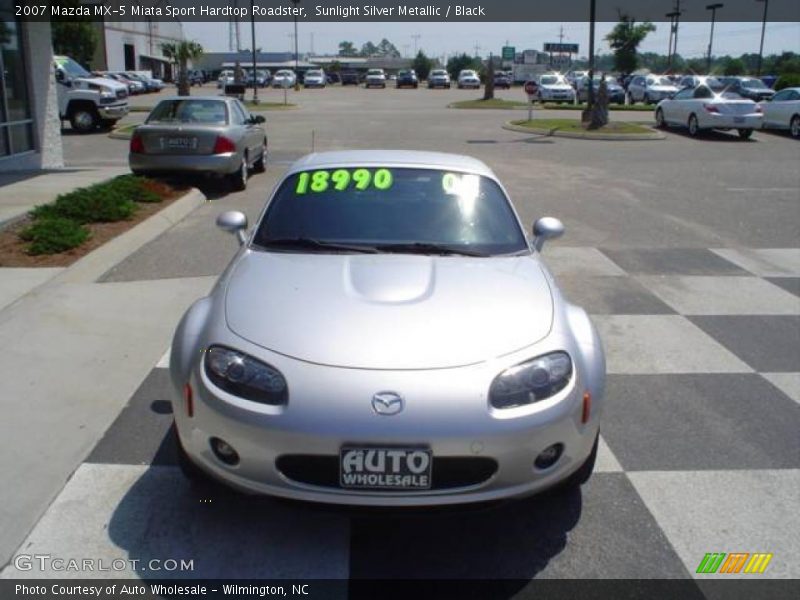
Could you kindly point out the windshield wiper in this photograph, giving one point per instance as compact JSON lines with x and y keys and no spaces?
{"x":313,"y":244}
{"x":430,"y":248}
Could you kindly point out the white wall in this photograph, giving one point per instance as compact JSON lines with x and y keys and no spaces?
{"x":146,"y":39}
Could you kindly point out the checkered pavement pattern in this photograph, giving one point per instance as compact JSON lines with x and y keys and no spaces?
{"x":700,"y":452}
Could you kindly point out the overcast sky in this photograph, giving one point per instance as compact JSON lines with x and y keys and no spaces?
{"x":438,"y":39}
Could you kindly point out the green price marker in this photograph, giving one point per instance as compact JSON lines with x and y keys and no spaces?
{"x":341,"y":180}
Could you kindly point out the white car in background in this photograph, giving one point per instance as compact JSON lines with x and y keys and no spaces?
{"x":704,"y":108}
{"x":315,"y":78}
{"x":375,"y":78}
{"x":783,"y":111}
{"x":226,"y":77}
{"x":468,"y":79}
{"x":650,"y":89}
{"x":553,"y":87}
{"x":284,"y":79}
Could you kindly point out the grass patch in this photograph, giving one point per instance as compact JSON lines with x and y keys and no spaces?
{"x":124,"y":132}
{"x":628,"y":107}
{"x":496,"y":103}
{"x":60,"y":225}
{"x":573,"y":126}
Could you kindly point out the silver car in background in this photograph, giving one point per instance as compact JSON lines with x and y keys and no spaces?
{"x":195,"y":134}
{"x":387,"y":334}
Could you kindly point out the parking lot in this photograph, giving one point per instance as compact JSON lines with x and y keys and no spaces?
{"x":686,"y":252}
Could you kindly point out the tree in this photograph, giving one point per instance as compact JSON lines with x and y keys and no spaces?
{"x":181,"y":53}
{"x":733,"y":66}
{"x":388,"y":49}
{"x":456,"y":64}
{"x":369,"y":49}
{"x":347,"y":49}
{"x":422,"y":65}
{"x":74,"y":36}
{"x":488,"y":89}
{"x":624,"y":40}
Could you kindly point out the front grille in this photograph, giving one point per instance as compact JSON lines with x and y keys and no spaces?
{"x":449,"y":472}
{"x":121,"y":94}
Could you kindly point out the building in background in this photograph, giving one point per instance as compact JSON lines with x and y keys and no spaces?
{"x":136,"y":45}
{"x":30,"y":130}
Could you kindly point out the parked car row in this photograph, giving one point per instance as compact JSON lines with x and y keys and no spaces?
{"x":137,"y":83}
{"x":713,"y":105}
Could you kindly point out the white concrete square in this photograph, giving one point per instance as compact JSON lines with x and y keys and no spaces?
{"x":16,"y":282}
{"x":606,"y":461}
{"x":727,"y":511}
{"x":163,"y":362}
{"x":653,"y":344}
{"x":788,"y":383}
{"x":136,"y":512}
{"x":765,"y":262}
{"x":722,"y":295}
{"x":582,"y":261}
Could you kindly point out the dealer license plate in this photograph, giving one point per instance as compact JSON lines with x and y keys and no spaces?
{"x":738,"y":119}
{"x":385,"y":468}
{"x":180,"y":143}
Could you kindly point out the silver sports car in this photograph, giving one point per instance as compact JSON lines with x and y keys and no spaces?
{"x":205,"y":134}
{"x":387,"y":334}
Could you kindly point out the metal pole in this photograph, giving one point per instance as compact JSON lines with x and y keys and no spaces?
{"x":253,"y":42}
{"x":713,"y":8}
{"x":677,"y":23}
{"x":763,"y":30}
{"x":591,"y":53}
{"x":296,"y":54}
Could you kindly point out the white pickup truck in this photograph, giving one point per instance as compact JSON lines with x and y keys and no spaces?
{"x":87,"y":101}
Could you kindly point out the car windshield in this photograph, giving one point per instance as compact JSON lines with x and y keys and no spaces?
{"x":549,"y":80}
{"x":658,"y":81}
{"x":438,"y":73}
{"x":375,"y":72}
{"x":71,"y":68}
{"x":314,"y":74}
{"x":392,"y":210}
{"x":754,"y":84}
{"x":283,"y":74}
{"x":208,"y":112}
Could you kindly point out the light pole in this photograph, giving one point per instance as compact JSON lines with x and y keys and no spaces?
{"x":713,"y":8}
{"x":296,"y":55}
{"x":763,"y":29}
{"x":590,"y":98}
{"x":673,"y":29}
{"x":253,"y":46}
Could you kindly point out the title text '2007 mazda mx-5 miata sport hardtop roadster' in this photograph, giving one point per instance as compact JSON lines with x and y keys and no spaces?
{"x":388,"y":335}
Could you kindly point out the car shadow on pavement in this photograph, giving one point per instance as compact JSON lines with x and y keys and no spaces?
{"x":713,"y":135}
{"x":230,"y":535}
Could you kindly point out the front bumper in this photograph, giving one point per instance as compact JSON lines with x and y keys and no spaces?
{"x":446,"y":411}
{"x":219,"y":164}
{"x":114,"y":111}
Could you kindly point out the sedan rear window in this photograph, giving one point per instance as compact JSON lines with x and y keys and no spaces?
{"x":207,"y":112}
{"x":383,"y":207}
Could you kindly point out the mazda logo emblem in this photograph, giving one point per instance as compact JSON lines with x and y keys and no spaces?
{"x":387,"y":403}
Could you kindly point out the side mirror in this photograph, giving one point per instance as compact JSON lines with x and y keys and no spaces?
{"x":234,"y":222}
{"x":546,"y":228}
{"x":257,"y":119}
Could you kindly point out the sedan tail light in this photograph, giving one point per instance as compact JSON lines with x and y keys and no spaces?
{"x":711,"y":108}
{"x":137,"y":145}
{"x":223,"y":145}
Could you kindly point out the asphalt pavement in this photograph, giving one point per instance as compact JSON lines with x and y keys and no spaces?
{"x":686,"y":252}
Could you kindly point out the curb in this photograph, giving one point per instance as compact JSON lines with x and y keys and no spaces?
{"x":453,"y":105}
{"x":115,"y":134}
{"x":608,"y":137}
{"x":91,"y":267}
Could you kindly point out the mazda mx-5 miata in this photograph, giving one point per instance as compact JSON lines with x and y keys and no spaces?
{"x":387,"y":334}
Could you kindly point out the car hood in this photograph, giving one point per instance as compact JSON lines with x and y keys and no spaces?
{"x":105,"y":81}
{"x":388,"y":311}
{"x":557,"y":87}
{"x":663,"y":88}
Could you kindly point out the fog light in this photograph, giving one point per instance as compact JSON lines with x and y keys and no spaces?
{"x":224,"y":451}
{"x":548,"y":456}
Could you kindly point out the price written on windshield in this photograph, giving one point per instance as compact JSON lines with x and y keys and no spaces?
{"x":343,"y":179}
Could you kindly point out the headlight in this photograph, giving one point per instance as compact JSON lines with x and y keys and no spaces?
{"x":531,"y":381}
{"x":244,"y":376}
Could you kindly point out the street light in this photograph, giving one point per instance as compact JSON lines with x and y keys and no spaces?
{"x":590,"y":97}
{"x":253,"y":46}
{"x":763,"y":29}
{"x":673,"y":30}
{"x":713,"y":8}
{"x":296,"y":60}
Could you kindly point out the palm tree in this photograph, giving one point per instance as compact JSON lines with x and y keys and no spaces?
{"x":181,"y":53}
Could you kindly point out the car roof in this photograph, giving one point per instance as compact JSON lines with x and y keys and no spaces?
{"x":395,"y":158}
{"x":218,"y":98}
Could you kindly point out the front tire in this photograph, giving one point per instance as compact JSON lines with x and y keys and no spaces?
{"x":84,"y":120}
{"x":745,"y":133}
{"x":693,"y":125}
{"x":660,"y":123}
{"x":261,"y":164}
{"x":794,"y":127}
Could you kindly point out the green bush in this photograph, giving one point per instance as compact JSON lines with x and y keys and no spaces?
{"x":787,"y":80}
{"x":96,"y":204}
{"x":134,"y":187}
{"x":53,"y":235}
